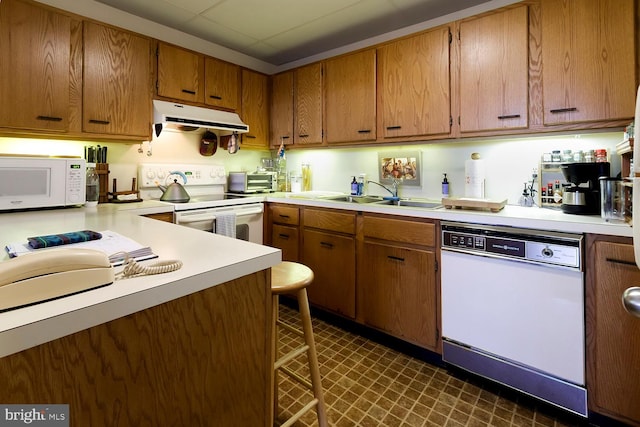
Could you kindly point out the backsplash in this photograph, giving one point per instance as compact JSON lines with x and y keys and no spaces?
{"x":509,"y":162}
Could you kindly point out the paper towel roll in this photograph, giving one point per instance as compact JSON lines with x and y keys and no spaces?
{"x":474,"y":171}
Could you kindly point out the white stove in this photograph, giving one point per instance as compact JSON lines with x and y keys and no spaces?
{"x":208,"y":201}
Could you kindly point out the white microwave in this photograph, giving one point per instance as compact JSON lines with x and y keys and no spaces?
{"x":41,"y":182}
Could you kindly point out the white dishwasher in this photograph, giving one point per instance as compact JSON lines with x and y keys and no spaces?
{"x":513,"y":309}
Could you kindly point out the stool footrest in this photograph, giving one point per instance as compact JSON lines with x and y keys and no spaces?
{"x":296,"y":377}
{"x":300,"y":413}
{"x":290,"y":328}
{"x":290,"y":356}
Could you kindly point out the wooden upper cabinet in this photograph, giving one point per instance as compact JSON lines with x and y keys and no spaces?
{"x":282,"y":109}
{"x":255,"y":109}
{"x":180,"y":74}
{"x":350,"y":97}
{"x":35,"y":46}
{"x":117,"y":82}
{"x":588,"y":60}
{"x":494,"y":70}
{"x":308,"y":104}
{"x":414,"y":94}
{"x":222,"y":84}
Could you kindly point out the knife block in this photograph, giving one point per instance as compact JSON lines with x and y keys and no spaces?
{"x":102,"y":169}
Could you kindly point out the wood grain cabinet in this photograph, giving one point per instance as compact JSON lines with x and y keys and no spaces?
{"x":281,"y":109}
{"x":494,"y":83}
{"x":350,"y":97}
{"x":397,"y":278}
{"x":35,"y":49}
{"x":221,"y":84}
{"x":414,"y":96}
{"x":613,"y":335}
{"x":308,"y":104}
{"x":255,"y":109}
{"x":116,"y":97}
{"x":588,"y":60}
{"x":329,"y":249}
{"x":180,"y":74}
{"x":284,"y":230}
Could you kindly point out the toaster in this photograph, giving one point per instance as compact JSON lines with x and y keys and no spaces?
{"x":252,"y":182}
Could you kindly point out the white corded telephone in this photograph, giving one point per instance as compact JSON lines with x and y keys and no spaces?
{"x":41,"y":276}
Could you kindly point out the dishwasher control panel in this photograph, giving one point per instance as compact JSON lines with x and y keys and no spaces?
{"x":537,"y":246}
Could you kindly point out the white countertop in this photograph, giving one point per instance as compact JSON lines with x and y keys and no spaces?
{"x":208,"y":260}
{"x":514,"y":216}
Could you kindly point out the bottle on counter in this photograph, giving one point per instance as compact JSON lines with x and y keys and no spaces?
{"x":354,"y":187}
{"x":445,"y":186}
{"x":557,"y":193}
{"x":362,"y":181}
{"x":92,"y":185}
{"x":306,"y":177}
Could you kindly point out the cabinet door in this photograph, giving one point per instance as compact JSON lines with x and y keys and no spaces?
{"x":180,"y":74}
{"x":588,"y":60}
{"x":222,"y":84}
{"x":117,"y":87}
{"x":255,"y":109}
{"x":282,"y":109}
{"x":414,"y":85}
{"x":399,"y":292}
{"x":494,"y":85}
{"x":35,"y":46}
{"x":332,"y":258}
{"x":308,"y":104}
{"x":285,"y":238}
{"x":350,"y":97}
{"x":615,"y":345}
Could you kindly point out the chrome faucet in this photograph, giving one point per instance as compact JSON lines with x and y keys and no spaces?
{"x":396,"y":183}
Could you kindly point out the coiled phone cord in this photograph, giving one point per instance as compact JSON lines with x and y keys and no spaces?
{"x":132,"y":268}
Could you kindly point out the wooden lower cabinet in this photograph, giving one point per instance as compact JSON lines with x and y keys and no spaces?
{"x":399,"y":295}
{"x":613,"y":335}
{"x":332,"y":257}
{"x":163,"y":216}
{"x":283,"y":231}
{"x":286,"y":238}
{"x":397,"y":278}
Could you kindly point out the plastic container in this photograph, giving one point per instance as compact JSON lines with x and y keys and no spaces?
{"x":306,"y":177}
{"x":612,"y":200}
{"x":92,"y":186}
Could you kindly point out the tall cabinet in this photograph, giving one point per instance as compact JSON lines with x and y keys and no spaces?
{"x":588,"y":60}
{"x":35,"y":49}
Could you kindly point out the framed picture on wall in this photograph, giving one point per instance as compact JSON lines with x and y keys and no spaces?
{"x":403,"y":166}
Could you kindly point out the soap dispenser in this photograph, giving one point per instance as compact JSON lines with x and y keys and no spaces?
{"x":354,"y":187}
{"x":445,"y":186}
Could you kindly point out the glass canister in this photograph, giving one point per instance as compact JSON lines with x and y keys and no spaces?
{"x":589,"y":156}
{"x":92,"y":185}
{"x":306,"y":177}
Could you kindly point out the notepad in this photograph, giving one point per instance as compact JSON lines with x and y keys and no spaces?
{"x":111,"y":243}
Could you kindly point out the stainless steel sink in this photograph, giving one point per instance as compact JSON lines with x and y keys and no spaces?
{"x":355,"y":199}
{"x":411,"y":203}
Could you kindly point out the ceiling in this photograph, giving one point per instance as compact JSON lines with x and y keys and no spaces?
{"x":283,"y":31}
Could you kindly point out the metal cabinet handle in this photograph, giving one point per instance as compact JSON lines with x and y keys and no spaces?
{"x":190,"y":92}
{"x":284,"y":236}
{"x":99,"y":122}
{"x":49,"y":118}
{"x":327,"y":245}
{"x":393,"y":127}
{"x":631,"y":301}
{"x":364,"y":131}
{"x":303,"y":136}
{"x":509,"y":116}
{"x":563,"y":110}
{"x":620,"y":261}
{"x":246,"y":135}
{"x":284,"y":216}
{"x":395,"y":258}
{"x":215,"y":97}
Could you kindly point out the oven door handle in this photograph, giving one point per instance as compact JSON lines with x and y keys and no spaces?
{"x":210,"y":216}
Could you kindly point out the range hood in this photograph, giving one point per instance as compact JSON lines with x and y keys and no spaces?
{"x":189,"y":118}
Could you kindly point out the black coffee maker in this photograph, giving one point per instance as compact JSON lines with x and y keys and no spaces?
{"x":582,"y":193}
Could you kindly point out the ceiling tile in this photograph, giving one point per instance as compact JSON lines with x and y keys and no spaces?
{"x":219,"y":33}
{"x":154,"y":10}
{"x":194,"y":6}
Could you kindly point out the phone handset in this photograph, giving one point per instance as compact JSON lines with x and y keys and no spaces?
{"x":50,"y":274}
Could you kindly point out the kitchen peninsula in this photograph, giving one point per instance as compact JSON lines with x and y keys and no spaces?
{"x":189,"y":347}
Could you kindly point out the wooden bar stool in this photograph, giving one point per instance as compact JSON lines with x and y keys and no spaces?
{"x":293,"y":278}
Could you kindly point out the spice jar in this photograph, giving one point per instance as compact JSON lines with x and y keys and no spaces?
{"x":567,"y":156}
{"x":601,"y":155}
{"x":555,"y":156}
{"x":589,"y":156}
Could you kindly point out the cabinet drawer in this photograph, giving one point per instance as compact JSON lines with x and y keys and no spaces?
{"x":331,"y":221}
{"x":397,"y":230}
{"x":285,"y":215}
